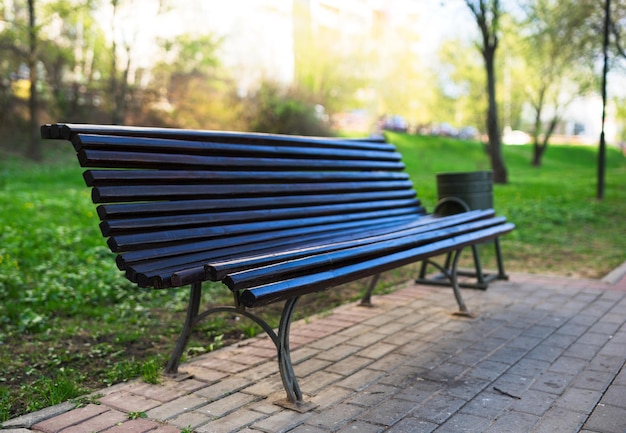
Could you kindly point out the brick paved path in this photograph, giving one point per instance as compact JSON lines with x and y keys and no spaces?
{"x":545,"y":354}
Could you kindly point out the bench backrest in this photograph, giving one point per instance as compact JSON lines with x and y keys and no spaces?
{"x":169,"y":198}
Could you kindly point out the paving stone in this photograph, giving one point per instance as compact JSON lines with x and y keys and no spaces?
{"x":488,"y":404}
{"x":310,"y":366}
{"x":609,"y":363}
{"x":231,"y":423}
{"x":508,"y":354}
{"x":377,"y":350}
{"x":582,"y":351}
{"x":488,"y":370}
{"x":266,"y":386}
{"x":413,"y":425}
{"x":551,"y":382}
{"x":70,"y":418}
{"x":615,"y":396}
{"x":315,"y":382}
{"x":226,"y":405}
{"x":191,"y":420}
{"x":305,"y":428}
{"x":134,"y":426}
{"x":607,"y":419}
{"x":281,"y":422}
{"x":579,"y":399}
{"x":440,"y":407}
{"x":176,"y":407}
{"x":466,"y":388}
{"x":373,"y":395}
{"x":530,"y":368}
{"x":361,"y":427}
{"x":336,"y":417}
{"x":349,"y":365}
{"x":533,"y":402}
{"x":513,"y":422}
{"x":330,"y":396}
{"x":224,"y":387}
{"x":464,"y":423}
{"x":545,"y":352}
{"x":28,"y":420}
{"x":128,"y":402}
{"x":329,"y":342}
{"x":594,"y":380}
{"x":165,"y":429}
{"x":339,"y":352}
{"x":360,"y":379}
{"x":159,"y":393}
{"x":388,"y":412}
{"x":98,"y":423}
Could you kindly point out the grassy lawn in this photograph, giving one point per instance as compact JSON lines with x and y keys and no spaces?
{"x":71,"y":322}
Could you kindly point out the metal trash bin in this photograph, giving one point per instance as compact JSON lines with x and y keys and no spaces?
{"x":461,"y":192}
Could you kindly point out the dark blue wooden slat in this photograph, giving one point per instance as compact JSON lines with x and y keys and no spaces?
{"x":332,"y":276}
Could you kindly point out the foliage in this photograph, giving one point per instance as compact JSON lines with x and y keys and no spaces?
{"x":557,"y":64}
{"x":275,"y":110}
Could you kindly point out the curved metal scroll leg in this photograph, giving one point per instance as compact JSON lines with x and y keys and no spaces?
{"x":294,"y":399}
{"x":451,"y":272}
{"x":367,"y":298}
{"x":190,"y":320}
{"x":281,"y":341}
{"x":463,"y":311}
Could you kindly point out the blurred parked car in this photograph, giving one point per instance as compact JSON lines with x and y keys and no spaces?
{"x":394,"y":123}
{"x":515,"y":137}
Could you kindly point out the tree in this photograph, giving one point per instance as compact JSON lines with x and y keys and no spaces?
{"x":558,"y":64}
{"x":487,"y":14}
{"x":191,"y":86}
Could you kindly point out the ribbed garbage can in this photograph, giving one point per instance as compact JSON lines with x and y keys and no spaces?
{"x":474,"y":188}
{"x":461,"y":192}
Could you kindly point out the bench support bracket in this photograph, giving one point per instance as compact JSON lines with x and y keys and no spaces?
{"x":482,"y":279}
{"x":280,"y":339}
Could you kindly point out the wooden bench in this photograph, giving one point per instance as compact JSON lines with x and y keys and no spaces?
{"x":272,"y":217}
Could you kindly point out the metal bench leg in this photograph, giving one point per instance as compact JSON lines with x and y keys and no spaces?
{"x":453,"y":276}
{"x":367,"y":298}
{"x":501,"y":274}
{"x":294,"y":399}
{"x":190,"y":320}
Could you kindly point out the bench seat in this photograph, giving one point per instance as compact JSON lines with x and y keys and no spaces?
{"x":272,"y":217}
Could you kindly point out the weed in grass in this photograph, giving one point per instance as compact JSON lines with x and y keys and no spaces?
{"x":5,"y":404}
{"x":151,"y":371}
{"x":48,"y":391}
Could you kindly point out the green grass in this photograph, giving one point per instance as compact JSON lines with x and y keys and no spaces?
{"x":65,"y":306}
{"x":561,"y":227}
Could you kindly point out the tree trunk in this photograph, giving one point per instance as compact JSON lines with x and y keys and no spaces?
{"x":540,"y":149}
{"x":493,"y":129}
{"x":34,"y":148}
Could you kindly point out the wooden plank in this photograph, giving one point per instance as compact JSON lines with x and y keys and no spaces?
{"x":159,"y":145}
{"x":312,"y":262}
{"x":218,"y":270}
{"x":66,"y":131}
{"x":145,"y":223}
{"x":131,"y":193}
{"x":168,"y":177}
{"x":260,"y":240}
{"x":332,"y":276}
{"x":163,"y":271}
{"x":160,"y":238}
{"x":116,"y":159}
{"x":182,"y":207}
